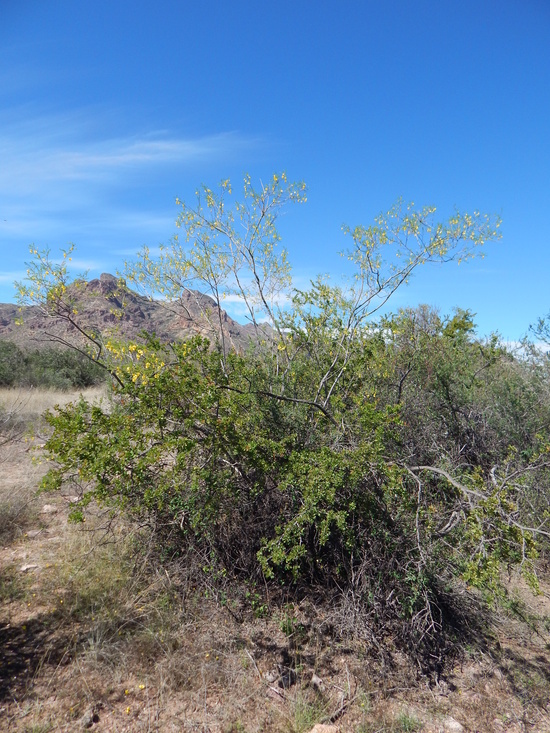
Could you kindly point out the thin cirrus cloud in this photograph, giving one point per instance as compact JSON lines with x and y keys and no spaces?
{"x":8,"y":278}
{"x":51,"y":182}
{"x":99,"y":161}
{"x":38,"y":155}
{"x":61,"y":180}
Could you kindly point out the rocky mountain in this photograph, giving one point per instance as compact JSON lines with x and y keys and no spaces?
{"x":108,"y":307}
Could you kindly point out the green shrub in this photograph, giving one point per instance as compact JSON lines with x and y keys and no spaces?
{"x":366,"y":460}
{"x":11,"y":364}
{"x":61,"y":369}
{"x":50,"y":368}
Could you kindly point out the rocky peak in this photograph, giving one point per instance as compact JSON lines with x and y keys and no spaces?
{"x":106,"y":305}
{"x":105,"y":285}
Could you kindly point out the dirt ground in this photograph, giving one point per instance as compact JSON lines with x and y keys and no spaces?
{"x":90,"y":641}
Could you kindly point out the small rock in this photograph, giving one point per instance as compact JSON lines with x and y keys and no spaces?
{"x":321,"y":728}
{"x":317,"y":682}
{"x":34,"y":532}
{"x":450,"y":725}
{"x":271,"y":676}
{"x":49,"y":509}
{"x":26,"y":568}
{"x":89,"y":718}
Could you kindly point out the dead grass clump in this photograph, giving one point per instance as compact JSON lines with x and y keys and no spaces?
{"x":100,"y":578}
{"x":391,"y":721}
{"x":16,"y":515}
{"x":138,"y":628}
{"x":14,"y":585}
{"x":304,"y":708}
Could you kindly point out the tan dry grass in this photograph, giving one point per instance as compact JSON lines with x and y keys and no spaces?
{"x":28,"y":404}
{"x":19,"y":477}
{"x":20,"y":413}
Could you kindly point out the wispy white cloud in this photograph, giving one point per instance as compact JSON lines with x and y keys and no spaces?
{"x":29,"y":167}
{"x":79,"y":265}
{"x":10,"y":277}
{"x":64,"y":179}
{"x":132,"y":252}
{"x":58,"y":150}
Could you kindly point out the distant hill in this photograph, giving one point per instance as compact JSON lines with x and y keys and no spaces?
{"x":107,"y":306}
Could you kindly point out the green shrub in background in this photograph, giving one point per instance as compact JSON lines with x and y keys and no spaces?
{"x":50,"y":368}
{"x":61,"y":369}
{"x":11,"y":364}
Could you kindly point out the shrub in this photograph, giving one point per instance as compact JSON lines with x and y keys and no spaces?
{"x":338,"y":454}
{"x":11,"y":364}
{"x":50,"y":368}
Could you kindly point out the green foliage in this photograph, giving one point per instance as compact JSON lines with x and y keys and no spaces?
{"x":11,"y":364}
{"x":379,"y":460}
{"x":61,"y":369}
{"x":304,"y":712}
{"x":406,"y":723}
{"x":49,"y":367}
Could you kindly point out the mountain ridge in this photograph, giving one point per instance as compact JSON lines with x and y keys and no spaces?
{"x":107,"y":306}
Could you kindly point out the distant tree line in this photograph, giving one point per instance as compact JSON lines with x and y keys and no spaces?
{"x":50,"y":368}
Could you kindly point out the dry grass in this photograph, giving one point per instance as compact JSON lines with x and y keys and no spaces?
{"x":20,"y":415}
{"x":23,"y":407}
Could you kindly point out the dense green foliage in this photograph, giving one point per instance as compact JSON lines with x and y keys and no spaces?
{"x":387,"y":461}
{"x":49,"y":367}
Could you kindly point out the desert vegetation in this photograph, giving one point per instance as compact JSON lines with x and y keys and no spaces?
{"x":350,"y":490}
{"x":47,"y":368}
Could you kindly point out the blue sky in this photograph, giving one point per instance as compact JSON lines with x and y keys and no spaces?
{"x":110,"y":110}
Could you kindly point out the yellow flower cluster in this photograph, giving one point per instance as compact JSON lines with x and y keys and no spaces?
{"x":134,"y":361}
